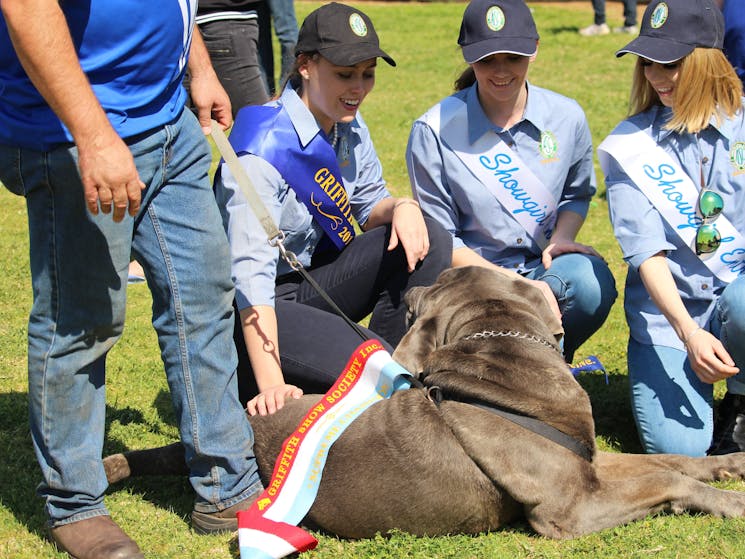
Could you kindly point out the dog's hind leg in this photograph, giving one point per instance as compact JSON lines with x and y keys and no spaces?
{"x":564,"y":496}
{"x":619,"y":501}
{"x":709,"y":468}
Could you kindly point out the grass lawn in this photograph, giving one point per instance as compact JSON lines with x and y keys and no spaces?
{"x":422,"y":38}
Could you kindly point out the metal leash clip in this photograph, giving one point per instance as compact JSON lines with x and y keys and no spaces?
{"x":287,"y":255}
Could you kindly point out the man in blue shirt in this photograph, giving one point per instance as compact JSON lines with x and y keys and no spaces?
{"x":734,"y":35}
{"x":93,"y":134}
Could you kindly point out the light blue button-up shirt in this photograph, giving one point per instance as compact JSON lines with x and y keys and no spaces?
{"x":642,"y":232}
{"x":451,"y":194}
{"x":256,"y":264}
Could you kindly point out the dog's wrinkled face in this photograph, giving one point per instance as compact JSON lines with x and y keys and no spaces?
{"x":433,"y":311}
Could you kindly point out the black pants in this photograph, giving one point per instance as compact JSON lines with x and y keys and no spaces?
{"x":314,"y":342}
{"x":233,"y":48}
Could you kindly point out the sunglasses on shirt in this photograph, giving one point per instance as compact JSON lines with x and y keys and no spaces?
{"x":710,"y":206}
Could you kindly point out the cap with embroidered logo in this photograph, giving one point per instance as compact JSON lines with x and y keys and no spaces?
{"x":671,"y":29}
{"x":497,"y":26}
{"x":341,"y":34}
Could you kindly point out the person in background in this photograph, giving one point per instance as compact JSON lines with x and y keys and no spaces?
{"x":506,"y":168}
{"x":94,"y":135}
{"x":734,"y":35}
{"x":310,"y":157}
{"x":230,"y":29}
{"x":279,"y":14}
{"x":600,"y":27}
{"x":675,"y":176}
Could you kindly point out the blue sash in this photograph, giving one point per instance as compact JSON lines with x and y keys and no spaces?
{"x":311,"y":171}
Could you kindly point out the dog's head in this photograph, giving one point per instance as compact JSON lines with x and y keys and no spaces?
{"x":439,"y":313}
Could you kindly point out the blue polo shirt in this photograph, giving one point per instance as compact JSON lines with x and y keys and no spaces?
{"x":449,"y":192}
{"x":255,"y":264}
{"x":642,"y":231}
{"x":134,"y":54}
{"x":734,"y":35}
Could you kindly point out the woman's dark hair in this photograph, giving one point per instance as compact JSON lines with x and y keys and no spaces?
{"x":293,"y":77}
{"x":466,"y":79}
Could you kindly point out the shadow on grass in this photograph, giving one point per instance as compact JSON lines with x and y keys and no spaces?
{"x":168,"y":492}
{"x":20,"y":473}
{"x":611,"y":410}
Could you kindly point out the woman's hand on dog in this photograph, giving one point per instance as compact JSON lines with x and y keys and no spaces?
{"x":272,"y":399}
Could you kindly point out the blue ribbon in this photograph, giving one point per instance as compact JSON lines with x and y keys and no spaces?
{"x":589,"y":364}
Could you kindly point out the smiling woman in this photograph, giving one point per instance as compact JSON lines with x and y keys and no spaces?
{"x":531,"y":151}
{"x":311,"y":159}
{"x":676,"y":193}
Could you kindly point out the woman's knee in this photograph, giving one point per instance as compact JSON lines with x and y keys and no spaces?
{"x":731,"y":304}
{"x":675,"y":441}
{"x":440,"y":243}
{"x":588,"y":281}
{"x":672,"y":408}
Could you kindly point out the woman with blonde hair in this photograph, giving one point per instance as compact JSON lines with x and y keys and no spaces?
{"x":675,"y":176}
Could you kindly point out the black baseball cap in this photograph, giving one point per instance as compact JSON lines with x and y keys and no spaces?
{"x":671,"y":29}
{"x":494,"y":26}
{"x":341,"y":34}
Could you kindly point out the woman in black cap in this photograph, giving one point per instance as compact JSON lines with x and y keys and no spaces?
{"x":312,"y":162}
{"x":675,"y":172}
{"x":506,"y":167}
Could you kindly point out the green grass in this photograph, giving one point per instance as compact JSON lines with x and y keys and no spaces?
{"x":422,"y":39}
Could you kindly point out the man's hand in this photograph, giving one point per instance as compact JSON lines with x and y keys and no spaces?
{"x":109,"y":176}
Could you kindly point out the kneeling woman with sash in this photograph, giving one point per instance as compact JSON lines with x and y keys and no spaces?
{"x":310,"y":158}
{"x":506,"y":167}
{"x":675,"y":172}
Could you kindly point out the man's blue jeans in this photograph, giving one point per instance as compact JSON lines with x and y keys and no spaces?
{"x":79,"y":273}
{"x":585,"y":290}
{"x":672,"y":407}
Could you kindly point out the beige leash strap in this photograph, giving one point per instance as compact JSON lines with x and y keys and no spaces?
{"x":245,"y":184}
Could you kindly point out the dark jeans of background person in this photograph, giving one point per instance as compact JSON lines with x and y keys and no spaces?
{"x":314,"y":342}
{"x":286,"y":30}
{"x":280,"y":14}
{"x":233,"y":46}
{"x":629,"y":12}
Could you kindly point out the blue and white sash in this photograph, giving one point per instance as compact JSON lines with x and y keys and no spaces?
{"x":673,"y":193}
{"x":311,"y":171}
{"x":498,"y":168}
{"x":268,"y":530}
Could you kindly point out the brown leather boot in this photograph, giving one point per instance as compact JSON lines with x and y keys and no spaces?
{"x":95,"y":538}
{"x":220,"y":521}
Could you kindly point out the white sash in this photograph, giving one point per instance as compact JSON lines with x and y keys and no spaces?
{"x":498,"y":168}
{"x":673,"y":193}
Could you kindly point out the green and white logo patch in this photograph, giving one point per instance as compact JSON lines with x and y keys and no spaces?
{"x":737,"y":157}
{"x":495,"y":18}
{"x":357,"y":24}
{"x":548,"y":146}
{"x":659,"y":16}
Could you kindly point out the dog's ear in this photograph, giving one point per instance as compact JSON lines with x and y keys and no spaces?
{"x":413,"y":300}
{"x":417,"y":344}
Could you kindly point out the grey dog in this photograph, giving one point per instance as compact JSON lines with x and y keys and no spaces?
{"x":442,"y":458}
